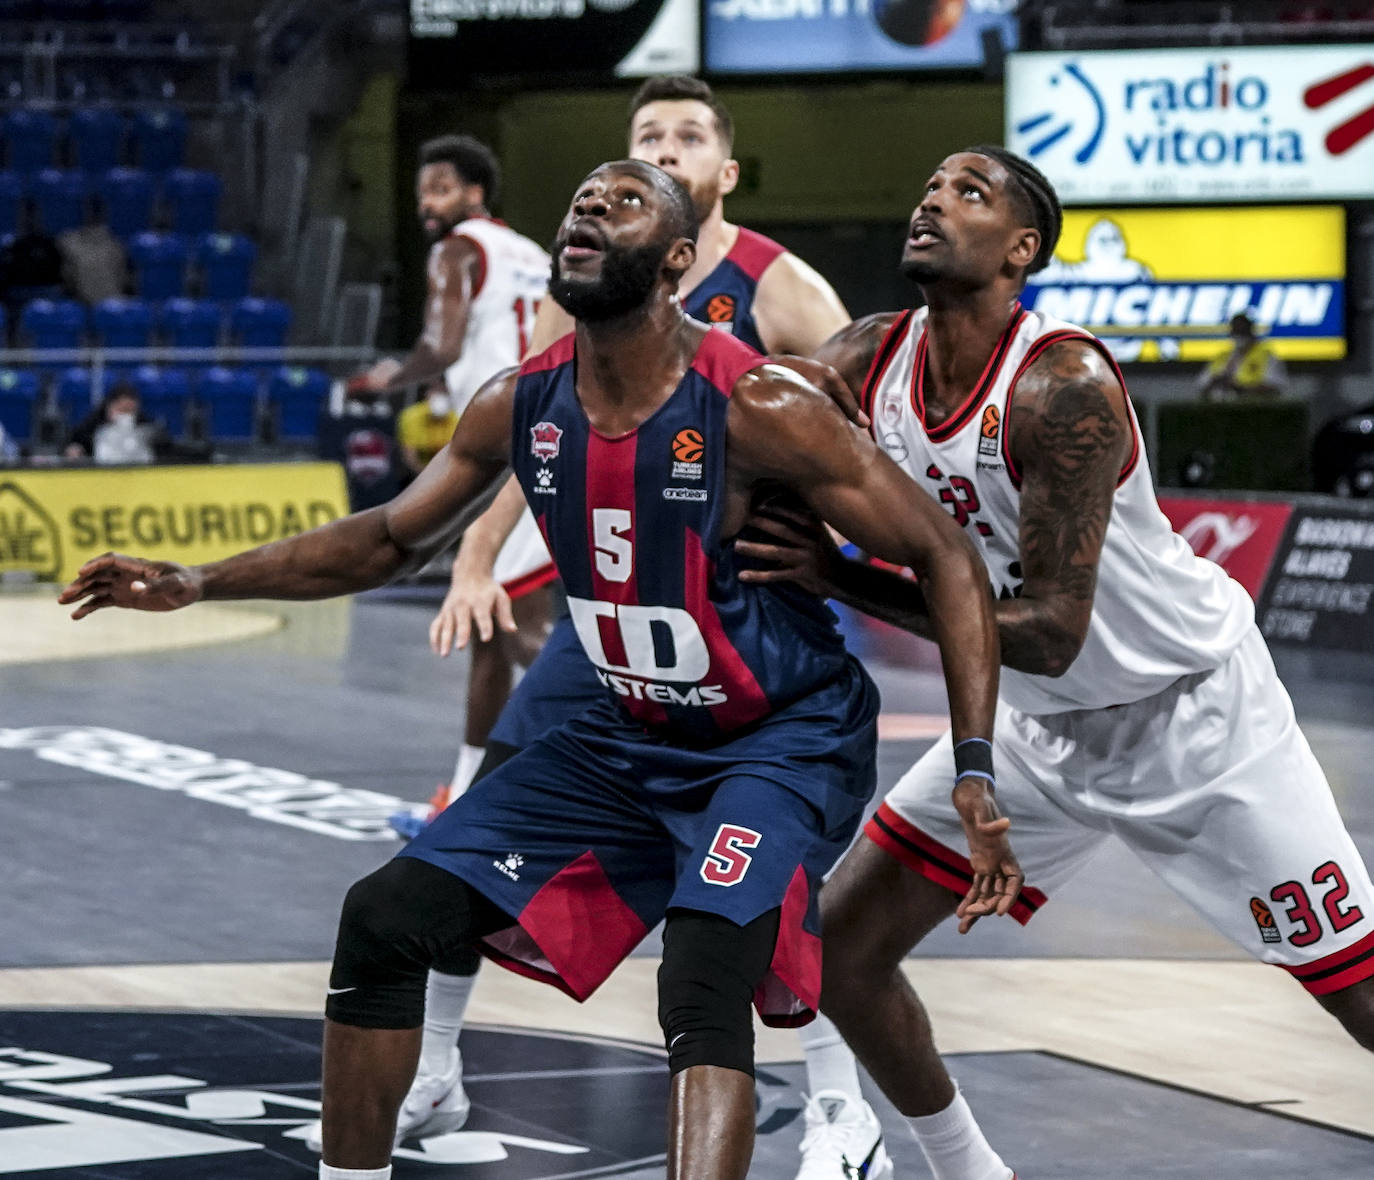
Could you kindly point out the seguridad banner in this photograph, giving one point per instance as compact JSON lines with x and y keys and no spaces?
{"x":1163,"y":284}
{"x":1186,"y":125}
{"x":53,"y":522}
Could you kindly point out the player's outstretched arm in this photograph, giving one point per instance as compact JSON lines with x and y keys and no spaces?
{"x":1070,"y":435}
{"x":358,"y":552}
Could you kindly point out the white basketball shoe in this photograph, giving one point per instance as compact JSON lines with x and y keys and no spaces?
{"x":843,"y":1140}
{"x":436,"y":1104}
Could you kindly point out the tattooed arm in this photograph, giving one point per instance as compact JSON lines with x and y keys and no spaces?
{"x":1070,"y":435}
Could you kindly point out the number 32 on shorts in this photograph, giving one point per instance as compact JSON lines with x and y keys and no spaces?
{"x":728,"y":860}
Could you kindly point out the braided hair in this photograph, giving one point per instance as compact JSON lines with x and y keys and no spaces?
{"x":1035,"y":197}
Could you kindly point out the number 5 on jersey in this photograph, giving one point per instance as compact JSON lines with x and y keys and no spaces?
{"x":727,"y":862}
{"x":614,"y":549}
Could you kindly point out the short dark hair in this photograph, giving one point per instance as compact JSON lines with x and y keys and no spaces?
{"x":682,"y":88}
{"x":474,"y":162}
{"x":1039,"y":204}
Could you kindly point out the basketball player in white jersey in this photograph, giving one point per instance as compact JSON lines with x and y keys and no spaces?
{"x":485,"y":284}
{"x":1137,"y":695}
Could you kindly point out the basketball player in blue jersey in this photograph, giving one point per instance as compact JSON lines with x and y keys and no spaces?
{"x":1137,"y":695}
{"x":728,"y":761}
{"x":750,"y":286}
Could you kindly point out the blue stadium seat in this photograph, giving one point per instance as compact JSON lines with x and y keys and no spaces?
{"x":165,"y":394}
{"x":11,"y":193}
{"x":128,"y":195}
{"x":231,"y":399}
{"x":260,"y":323}
{"x":123,"y":323}
{"x":97,"y":137}
{"x":31,"y":135}
{"x":18,"y":400}
{"x":74,"y":395}
{"x":190,"y":323}
{"x":61,"y":198}
{"x":53,"y":323}
{"x":193,"y":198}
{"x":296,"y":396}
{"x":159,"y":262}
{"x":226,"y":265}
{"x":160,"y":139}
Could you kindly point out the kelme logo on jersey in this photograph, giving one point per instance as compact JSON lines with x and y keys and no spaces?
{"x":1264,"y":919}
{"x":989,"y":430}
{"x":545,"y":437}
{"x":688,"y":448}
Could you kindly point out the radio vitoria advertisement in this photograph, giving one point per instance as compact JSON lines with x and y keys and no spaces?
{"x":1197,"y":125}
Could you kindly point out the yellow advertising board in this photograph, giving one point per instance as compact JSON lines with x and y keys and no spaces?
{"x":53,"y":521}
{"x":1163,"y":284}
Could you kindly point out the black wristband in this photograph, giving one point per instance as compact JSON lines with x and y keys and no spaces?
{"x":973,"y":758}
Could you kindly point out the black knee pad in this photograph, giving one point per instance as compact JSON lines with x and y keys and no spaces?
{"x":396,"y":924}
{"x":497,"y":753}
{"x":706,"y":985}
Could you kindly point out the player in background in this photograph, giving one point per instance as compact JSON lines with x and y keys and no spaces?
{"x":730,"y":762}
{"x":484,"y":284}
{"x":750,"y":286}
{"x":1137,"y":695}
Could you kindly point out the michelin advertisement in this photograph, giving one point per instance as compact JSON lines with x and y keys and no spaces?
{"x":1237,"y":124}
{"x":1162,"y":284}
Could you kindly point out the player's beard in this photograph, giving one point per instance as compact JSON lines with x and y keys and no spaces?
{"x":704,"y":196}
{"x":920,"y":271}
{"x":627,"y":277}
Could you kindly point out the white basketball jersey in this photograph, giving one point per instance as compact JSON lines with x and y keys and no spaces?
{"x":515,"y":276}
{"x":1159,"y":613}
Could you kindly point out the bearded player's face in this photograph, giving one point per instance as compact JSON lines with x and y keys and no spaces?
{"x":679,"y":135}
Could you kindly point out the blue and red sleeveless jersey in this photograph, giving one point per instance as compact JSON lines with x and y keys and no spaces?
{"x":725,"y":297}
{"x":634,"y":525}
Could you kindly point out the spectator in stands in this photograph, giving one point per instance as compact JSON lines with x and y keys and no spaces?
{"x":118,"y":431}
{"x":1249,"y":369}
{"x":423,"y":430}
{"x":32,"y":263}
{"x":94,"y":264}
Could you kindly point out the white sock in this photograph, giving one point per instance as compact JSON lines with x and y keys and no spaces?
{"x":446,"y":1001}
{"x":830,"y":1064}
{"x":328,"y":1173}
{"x":953,"y":1144}
{"x":469,"y":759}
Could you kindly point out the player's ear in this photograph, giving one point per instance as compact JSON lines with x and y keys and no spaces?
{"x":1024,"y":248}
{"x":681,"y":254}
{"x":729,"y":177}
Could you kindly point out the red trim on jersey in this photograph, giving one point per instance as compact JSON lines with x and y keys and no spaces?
{"x":1337,"y":970}
{"x":723,"y":360}
{"x":560,"y":352}
{"x":746,"y":701}
{"x":790,"y":994}
{"x":528,"y":583}
{"x":882,"y":359}
{"x":964,"y":414}
{"x":1037,"y":350}
{"x":611,"y":485}
{"x":572,"y":905}
{"x":753,"y":253}
{"x":927,"y":856}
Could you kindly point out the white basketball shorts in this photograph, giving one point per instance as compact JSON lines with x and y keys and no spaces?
{"x":1211,"y":783}
{"x":524,"y":565}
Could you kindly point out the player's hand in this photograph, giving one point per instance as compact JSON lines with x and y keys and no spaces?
{"x":997,"y":877}
{"x":800,"y":549}
{"x":829,"y":382}
{"x":479,"y":603}
{"x":115,"y":580}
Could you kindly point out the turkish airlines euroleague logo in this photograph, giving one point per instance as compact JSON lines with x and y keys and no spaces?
{"x":1264,"y":919}
{"x":689,"y":446}
{"x":1344,"y":136}
{"x":721,"y":309}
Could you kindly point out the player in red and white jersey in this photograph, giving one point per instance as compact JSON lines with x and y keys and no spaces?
{"x":1137,"y":695}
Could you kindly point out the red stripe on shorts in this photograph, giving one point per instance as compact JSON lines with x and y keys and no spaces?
{"x":1337,"y":970}
{"x":922,"y":854}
